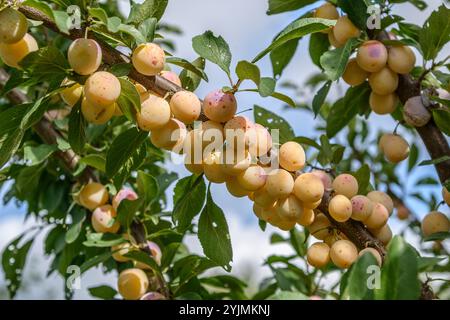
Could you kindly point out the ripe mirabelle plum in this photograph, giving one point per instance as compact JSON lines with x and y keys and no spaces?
{"x":384,"y":81}
{"x":384,"y":234}
{"x":279,"y":184}
{"x":372,"y":56}
{"x":292,"y":156}
{"x":212,"y":167}
{"x":306,"y":218}
{"x":102,"y":218}
{"x":345,"y":30}
{"x":285,"y":225}
{"x":210,"y":135}
{"x":258,"y":211}
{"x":333,"y":41}
{"x":340,"y":208}
{"x":318,"y":254}
{"x":97,"y":114}
{"x":289,"y":208}
{"x":333,"y":237}
{"x":93,"y":195}
{"x":120,"y":250}
{"x":102,"y":88}
{"x":260,"y":141}
{"x":72,"y":93}
{"x":383,"y":198}
{"x":354,"y":75}
{"x":414,"y":112}
{"x":308,"y":188}
{"x":132,"y":284}
{"x":361,"y":207}
{"x":270,"y":215}
{"x":402,"y":212}
{"x":196,"y":168}
{"x":373,"y":252}
{"x":327,"y":180}
{"x":401,"y":59}
{"x":155,"y":113}
{"x":320,"y":228}
{"x":172,"y":77}
{"x":237,"y":132}
{"x":385,"y":104}
{"x":148,"y":59}
{"x":84,"y":56}
{"x":13,"y":53}
{"x":312,"y":205}
{"x":13,"y":26}
{"x":234,"y":163}
{"x":378,"y":218}
{"x":235,"y":188}
{"x":346,"y":184}
{"x":185,"y":106}
{"x":153,"y":296}
{"x":446,"y":195}
{"x":155,"y":253}
{"x":394,"y":148}
{"x":435,"y":222}
{"x":253,"y":178}
{"x":171,"y":136}
{"x":343,"y":253}
{"x":123,"y":194}
{"x":326,"y":11}
{"x":220,"y":106}
{"x":263,"y":199}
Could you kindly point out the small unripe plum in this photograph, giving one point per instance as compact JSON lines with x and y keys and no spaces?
{"x":384,"y":234}
{"x":97,"y":114}
{"x":446,"y":195}
{"x":394,"y":148}
{"x":327,"y":11}
{"x":132,"y":284}
{"x":373,"y":252}
{"x":102,"y":218}
{"x":346,"y":184}
{"x":123,"y":194}
{"x":153,"y":296}
{"x":171,"y":136}
{"x":308,"y":188}
{"x":343,"y":253}
{"x":212,"y":168}
{"x":372,"y":56}
{"x":415,"y":113}
{"x":172,"y":77}
{"x":435,"y":222}
{"x":253,"y":178}
{"x":148,"y":59}
{"x":327,"y":180}
{"x":320,"y":228}
{"x":384,"y":81}
{"x":13,"y":26}
{"x":13,"y":53}
{"x":361,"y":208}
{"x":378,"y":218}
{"x":345,"y":30}
{"x":220,"y":106}
{"x":279,"y":184}
{"x":318,"y":255}
{"x":260,"y":141}
{"x":235,"y":164}
{"x":102,"y":88}
{"x":289,"y":208}
{"x":354,"y":75}
{"x":306,"y":218}
{"x":120,"y":251}
{"x":383,"y":198}
{"x":235,"y":188}
{"x":93,"y":195}
{"x":292,"y":156}
{"x":263,"y":199}
{"x":155,"y":113}
{"x":185,"y":106}
{"x":401,"y":59}
{"x":340,"y":208}
{"x":385,"y":104}
{"x":84,"y":56}
{"x":72,"y":93}
{"x":333,"y":41}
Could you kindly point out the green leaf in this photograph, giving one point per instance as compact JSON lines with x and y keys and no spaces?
{"x":190,"y":80}
{"x":297,"y":30}
{"x":113,"y":24}
{"x":188,"y":66}
{"x":27,"y":181}
{"x":123,"y":148}
{"x":278,"y":6}
{"x":277,"y":95}
{"x":95,"y":161}
{"x":40,"y":6}
{"x":307,"y":141}
{"x":103,"y":240}
{"x":148,"y":9}
{"x":413,"y":157}
{"x":77,"y":129}
{"x":189,"y":198}
{"x":358,"y":279}
{"x":363,"y":178}
{"x":127,"y":211}
{"x":214,"y":49}
{"x":94,"y":261}
{"x":214,"y":235}
{"x":435,"y":33}
{"x":320,"y":97}
{"x":288,"y":295}
{"x":442,"y":119}
{"x":61,"y":20}
{"x":129,"y":100}
{"x":133,"y":32}
{"x":437,"y":236}
{"x":434,"y":161}
{"x":344,"y":110}
{"x":38,"y":154}
{"x":78,"y":217}
{"x":99,"y":14}
{"x":147,"y":28}
{"x":148,"y":187}
{"x":103,"y":292}
{"x":356,"y":11}
{"x":144,"y":258}
{"x":281,"y":56}
{"x":248,"y":71}
{"x":272,"y":121}
{"x":428,"y":263}
{"x":266,"y":87}
{"x":121,"y":69}
{"x":318,"y":45}
{"x":335,"y":61}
